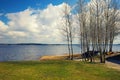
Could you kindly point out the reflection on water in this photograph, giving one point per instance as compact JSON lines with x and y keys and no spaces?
{"x":33,"y":52}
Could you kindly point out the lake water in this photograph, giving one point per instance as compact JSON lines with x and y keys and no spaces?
{"x":34,"y":52}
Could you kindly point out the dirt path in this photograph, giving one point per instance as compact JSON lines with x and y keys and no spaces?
{"x":113,"y":65}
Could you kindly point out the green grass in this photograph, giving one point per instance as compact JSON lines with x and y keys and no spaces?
{"x":56,"y":70}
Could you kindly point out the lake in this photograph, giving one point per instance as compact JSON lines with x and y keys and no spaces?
{"x":34,"y":52}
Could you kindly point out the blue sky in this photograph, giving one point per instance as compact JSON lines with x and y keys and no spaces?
{"x":8,"y":6}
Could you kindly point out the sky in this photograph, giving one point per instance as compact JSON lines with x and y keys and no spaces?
{"x":32,"y":21}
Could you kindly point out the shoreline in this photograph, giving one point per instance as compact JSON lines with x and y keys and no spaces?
{"x":75,"y":55}
{"x":60,"y":57}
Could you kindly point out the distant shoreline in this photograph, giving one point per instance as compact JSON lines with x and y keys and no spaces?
{"x":36,"y":44}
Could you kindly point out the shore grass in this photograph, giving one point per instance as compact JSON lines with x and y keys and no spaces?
{"x":56,"y":70}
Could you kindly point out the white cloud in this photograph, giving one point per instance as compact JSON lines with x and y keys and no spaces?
{"x":40,"y":26}
{"x":23,"y":21}
{"x":17,"y":33}
{"x":3,"y":27}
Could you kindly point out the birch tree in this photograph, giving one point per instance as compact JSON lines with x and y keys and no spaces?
{"x":100,"y":27}
{"x":68,"y":29}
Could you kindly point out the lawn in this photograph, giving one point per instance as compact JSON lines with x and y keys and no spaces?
{"x":56,"y":70}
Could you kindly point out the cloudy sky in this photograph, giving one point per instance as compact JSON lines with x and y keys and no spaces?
{"x":32,"y":21}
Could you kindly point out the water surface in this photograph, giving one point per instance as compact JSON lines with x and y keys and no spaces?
{"x":34,"y":52}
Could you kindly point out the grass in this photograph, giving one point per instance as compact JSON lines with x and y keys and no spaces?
{"x":56,"y":70}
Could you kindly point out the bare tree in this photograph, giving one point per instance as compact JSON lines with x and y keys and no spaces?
{"x":68,"y":29}
{"x":99,"y":28}
{"x":82,"y":26}
{"x":113,"y":19}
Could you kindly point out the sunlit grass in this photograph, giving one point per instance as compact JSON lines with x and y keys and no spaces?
{"x":56,"y":70}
